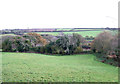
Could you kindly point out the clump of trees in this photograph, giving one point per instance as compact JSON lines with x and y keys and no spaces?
{"x":28,"y":42}
{"x":89,"y":37}
{"x":107,"y":45}
{"x":104,"y":43}
{"x":33,"y":42}
{"x":35,"y":39}
{"x":67,"y":44}
{"x":15,"y":44}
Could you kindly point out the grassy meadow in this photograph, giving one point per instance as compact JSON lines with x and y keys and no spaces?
{"x":31,"y":67}
{"x":7,"y":35}
{"x":83,"y":33}
{"x":69,"y":29}
{"x":93,"y":33}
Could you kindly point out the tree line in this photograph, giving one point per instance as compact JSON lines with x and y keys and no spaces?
{"x":105,"y":43}
{"x":33,"y":42}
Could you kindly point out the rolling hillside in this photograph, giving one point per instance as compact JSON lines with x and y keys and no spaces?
{"x":27,"y":67}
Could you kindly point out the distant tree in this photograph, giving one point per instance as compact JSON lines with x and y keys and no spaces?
{"x":91,"y":37}
{"x":6,"y":45}
{"x":69,"y":42}
{"x":50,"y":38}
{"x":16,"y":43}
{"x":36,"y":39}
{"x":87,"y":37}
{"x":104,"y":43}
{"x":78,"y":50}
{"x":63,"y":42}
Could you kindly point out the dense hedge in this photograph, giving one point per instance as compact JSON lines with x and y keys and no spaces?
{"x":32,"y":42}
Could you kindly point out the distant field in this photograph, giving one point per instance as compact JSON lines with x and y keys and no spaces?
{"x":30,"y":67}
{"x":63,"y":29}
{"x":51,"y":33}
{"x":7,"y":34}
{"x":83,"y":33}
{"x":75,"y":29}
{"x":87,"y":29}
{"x":86,"y":33}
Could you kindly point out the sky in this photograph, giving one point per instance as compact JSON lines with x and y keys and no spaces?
{"x":19,"y":14}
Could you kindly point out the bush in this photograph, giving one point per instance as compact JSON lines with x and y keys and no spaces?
{"x":16,"y":44}
{"x":36,"y":39}
{"x":6,"y":45}
{"x":78,"y":50}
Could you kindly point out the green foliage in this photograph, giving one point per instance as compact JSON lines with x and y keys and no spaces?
{"x":25,"y":43}
{"x":67,"y":44}
{"x":16,"y":44}
{"x":78,"y":50}
{"x":42,"y":49}
{"x":7,"y":45}
{"x":103,"y":58}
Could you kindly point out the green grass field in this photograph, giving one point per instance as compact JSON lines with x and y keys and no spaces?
{"x":61,"y":29}
{"x":7,"y":35}
{"x":68,"y":29}
{"x":86,"y":33}
{"x":83,"y":33}
{"x":27,"y":67}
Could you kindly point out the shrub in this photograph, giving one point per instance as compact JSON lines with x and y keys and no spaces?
{"x":6,"y":45}
{"x":16,"y":44}
{"x":36,"y":38}
{"x":78,"y":50}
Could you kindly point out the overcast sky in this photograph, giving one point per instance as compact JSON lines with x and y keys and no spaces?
{"x":58,"y":13}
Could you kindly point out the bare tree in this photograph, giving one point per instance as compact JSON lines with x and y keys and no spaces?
{"x":102,"y":43}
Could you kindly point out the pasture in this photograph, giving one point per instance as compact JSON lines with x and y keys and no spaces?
{"x":31,"y":67}
{"x":72,"y":29}
{"x":7,"y":35}
{"x":83,"y":33}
